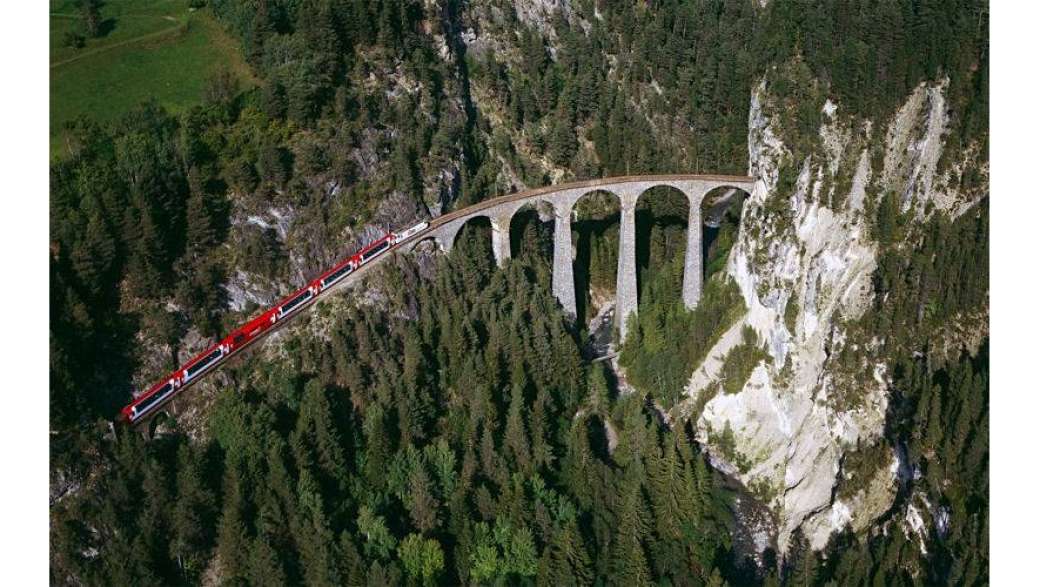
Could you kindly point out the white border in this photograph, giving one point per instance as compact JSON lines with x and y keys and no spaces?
{"x":24,"y":153}
{"x":1014,"y":287}
{"x":1015,"y":392}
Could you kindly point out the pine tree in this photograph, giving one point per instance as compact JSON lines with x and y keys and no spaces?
{"x":520,"y":556}
{"x":201,"y":232}
{"x":271,"y":163}
{"x":377,"y":450}
{"x":379,"y":542}
{"x":716,"y":580}
{"x":316,"y":428}
{"x":423,"y":559}
{"x":628,"y":561}
{"x":265,"y":568}
{"x":577,"y":464}
{"x":934,"y":430}
{"x":153,"y":526}
{"x":262,"y":28}
{"x":351,"y":568}
{"x":563,"y":140}
{"x":538,"y":420}
{"x":94,"y":256}
{"x":314,"y":537}
{"x":422,"y":506}
{"x":515,"y":433}
{"x":194,"y":508}
{"x":669,"y":547}
{"x":314,"y":22}
{"x":232,"y":540}
{"x":442,"y":458}
{"x":568,"y":562}
{"x":803,"y":567}
{"x":489,"y":459}
{"x":148,"y":259}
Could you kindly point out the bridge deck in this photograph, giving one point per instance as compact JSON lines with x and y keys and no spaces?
{"x":587,"y":184}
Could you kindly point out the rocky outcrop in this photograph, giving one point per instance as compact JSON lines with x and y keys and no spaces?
{"x":803,"y":261}
{"x":540,"y":13}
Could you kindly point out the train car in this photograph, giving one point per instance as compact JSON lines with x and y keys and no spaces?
{"x":251,"y":330}
{"x":335,"y":274}
{"x":294,"y":302}
{"x":159,"y":392}
{"x":409,"y":233}
{"x":153,"y":397}
{"x":203,"y":362}
{"x":374,"y":249}
{"x":257,"y":327}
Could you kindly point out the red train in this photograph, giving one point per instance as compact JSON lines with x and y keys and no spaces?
{"x":246,"y":334}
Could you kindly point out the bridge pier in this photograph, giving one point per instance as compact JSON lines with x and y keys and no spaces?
{"x":563,"y":270}
{"x":693,"y":268}
{"x":563,"y":199}
{"x":500,"y":238}
{"x":446,"y":238}
{"x":627,"y":292}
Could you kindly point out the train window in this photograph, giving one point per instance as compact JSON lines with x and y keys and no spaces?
{"x":335,"y":275}
{"x":379,"y":249}
{"x":162,"y":390}
{"x":203,"y":363}
{"x":147,"y":404}
{"x":155,"y":398}
{"x":288,"y":306}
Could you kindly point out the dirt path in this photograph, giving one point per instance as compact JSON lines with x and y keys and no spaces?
{"x":148,"y":37}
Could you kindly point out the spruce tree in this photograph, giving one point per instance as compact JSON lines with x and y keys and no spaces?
{"x":516,"y":441}
{"x":232,"y":539}
{"x":265,"y":568}
{"x":195,"y":506}
{"x":94,"y":255}
{"x":201,"y":232}
{"x":422,"y":505}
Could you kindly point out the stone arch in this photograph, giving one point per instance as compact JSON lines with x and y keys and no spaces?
{"x":721,"y":209}
{"x":566,"y":202}
{"x":594,"y":220}
{"x":448,"y":234}
{"x":432,"y":241}
{"x":479,"y":222}
{"x":533,"y":216}
{"x":662,"y":208}
{"x":163,"y":416}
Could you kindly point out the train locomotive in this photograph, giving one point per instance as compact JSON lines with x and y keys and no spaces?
{"x":248,"y":333}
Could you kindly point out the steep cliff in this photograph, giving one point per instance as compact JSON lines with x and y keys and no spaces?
{"x":805,"y":261}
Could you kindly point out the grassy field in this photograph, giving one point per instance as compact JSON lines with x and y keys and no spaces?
{"x":151,"y":49}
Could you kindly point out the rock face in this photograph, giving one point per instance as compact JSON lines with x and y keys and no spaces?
{"x":803,"y":260}
{"x":539,"y":13}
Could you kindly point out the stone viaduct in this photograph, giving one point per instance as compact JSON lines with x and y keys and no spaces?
{"x":562,"y":198}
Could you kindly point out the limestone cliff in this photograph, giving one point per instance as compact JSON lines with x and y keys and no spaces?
{"x":804,"y":261}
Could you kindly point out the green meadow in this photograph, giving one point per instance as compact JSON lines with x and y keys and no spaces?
{"x":149,"y":49}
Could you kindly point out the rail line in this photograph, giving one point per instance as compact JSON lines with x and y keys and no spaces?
{"x":147,"y":404}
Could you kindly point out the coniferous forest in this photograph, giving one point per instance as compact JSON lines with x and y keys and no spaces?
{"x":448,"y":428}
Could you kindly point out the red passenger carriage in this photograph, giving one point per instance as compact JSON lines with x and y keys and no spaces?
{"x":246,"y":334}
